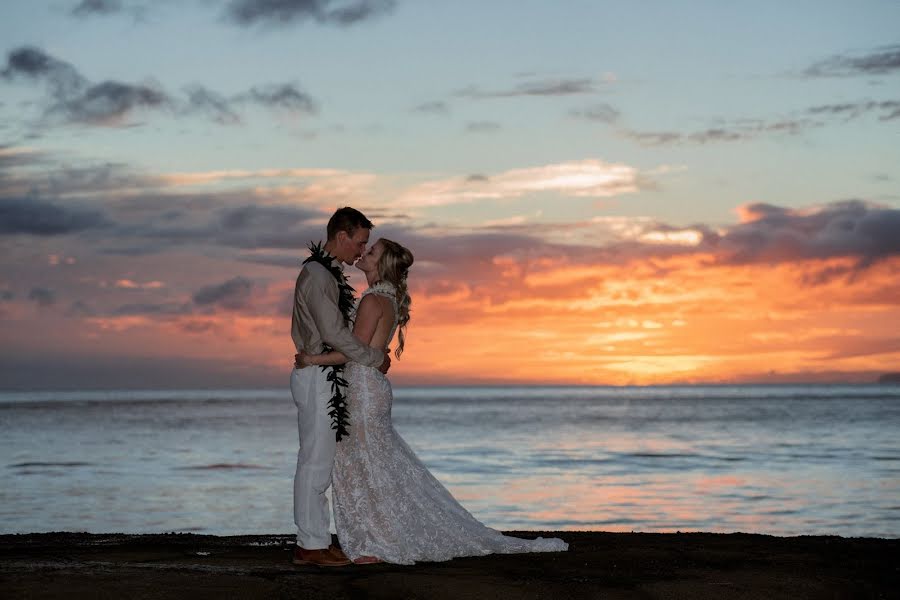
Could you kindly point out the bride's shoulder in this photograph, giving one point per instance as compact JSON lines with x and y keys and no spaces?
{"x":381,"y":288}
{"x":369,"y":298}
{"x":374,"y":305}
{"x":383,"y":291}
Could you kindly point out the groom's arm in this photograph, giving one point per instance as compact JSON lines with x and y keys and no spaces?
{"x":368,"y":315}
{"x":320,"y":296}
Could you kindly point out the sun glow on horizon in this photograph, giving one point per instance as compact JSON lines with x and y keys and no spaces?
{"x":621,"y":324}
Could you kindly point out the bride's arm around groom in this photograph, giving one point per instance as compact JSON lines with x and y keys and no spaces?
{"x":320,"y":301}
{"x":368,"y":315}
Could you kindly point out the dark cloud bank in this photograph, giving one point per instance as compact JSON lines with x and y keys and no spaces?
{"x":841,"y":229}
{"x":234,"y":294}
{"x":73,"y":99}
{"x":87,"y":8}
{"x":881,"y":61}
{"x":554,"y":87}
{"x":284,"y":12}
{"x":38,"y":217}
{"x":250,"y":13}
{"x":42,"y":296}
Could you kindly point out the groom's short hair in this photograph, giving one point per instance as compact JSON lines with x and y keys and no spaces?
{"x":347,"y":219}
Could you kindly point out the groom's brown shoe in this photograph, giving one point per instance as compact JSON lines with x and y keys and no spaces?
{"x":337,"y":552}
{"x":320,"y":557}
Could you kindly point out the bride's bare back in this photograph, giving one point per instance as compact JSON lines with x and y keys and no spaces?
{"x":375,"y":320}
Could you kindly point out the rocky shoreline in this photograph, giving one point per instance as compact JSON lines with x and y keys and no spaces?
{"x":607,"y":565}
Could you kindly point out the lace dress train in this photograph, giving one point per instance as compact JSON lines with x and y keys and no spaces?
{"x":386,"y":502}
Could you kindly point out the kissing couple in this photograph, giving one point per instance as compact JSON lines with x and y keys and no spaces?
{"x":387,"y":506}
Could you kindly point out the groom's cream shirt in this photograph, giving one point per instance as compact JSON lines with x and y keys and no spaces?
{"x":317,"y":320}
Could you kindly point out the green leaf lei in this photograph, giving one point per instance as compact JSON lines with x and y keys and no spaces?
{"x":346,"y":299}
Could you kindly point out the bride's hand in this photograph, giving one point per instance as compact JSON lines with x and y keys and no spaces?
{"x":386,"y":364}
{"x":302,"y":359}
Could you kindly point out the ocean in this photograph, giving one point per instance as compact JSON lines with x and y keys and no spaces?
{"x":781,"y":460}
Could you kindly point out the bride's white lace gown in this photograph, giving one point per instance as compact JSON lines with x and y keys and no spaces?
{"x":386,"y":502}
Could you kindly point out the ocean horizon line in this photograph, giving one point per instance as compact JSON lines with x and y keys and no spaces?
{"x":474,"y":386}
{"x":462,"y":393}
{"x":291,"y":537}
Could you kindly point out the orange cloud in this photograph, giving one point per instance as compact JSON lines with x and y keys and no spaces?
{"x":129,"y":284}
{"x":561,"y":324}
{"x":624,"y":325}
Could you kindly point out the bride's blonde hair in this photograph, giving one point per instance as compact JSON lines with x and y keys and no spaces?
{"x":393,"y":267}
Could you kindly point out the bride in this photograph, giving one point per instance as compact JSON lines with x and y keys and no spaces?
{"x":387,"y":506}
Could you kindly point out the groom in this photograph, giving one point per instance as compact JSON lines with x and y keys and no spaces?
{"x":318,"y":320}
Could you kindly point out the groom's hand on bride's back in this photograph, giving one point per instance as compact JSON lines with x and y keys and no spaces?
{"x":386,"y":363}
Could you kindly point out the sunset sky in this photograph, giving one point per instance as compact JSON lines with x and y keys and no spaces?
{"x":595,"y":192}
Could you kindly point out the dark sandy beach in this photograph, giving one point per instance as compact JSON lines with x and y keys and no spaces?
{"x":598,"y":565}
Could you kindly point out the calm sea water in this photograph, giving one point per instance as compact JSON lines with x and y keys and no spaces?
{"x":782,"y":460}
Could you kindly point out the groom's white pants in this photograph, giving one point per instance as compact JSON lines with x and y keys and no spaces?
{"x":315,"y":459}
